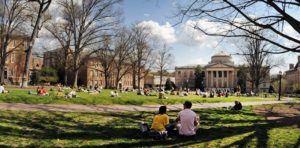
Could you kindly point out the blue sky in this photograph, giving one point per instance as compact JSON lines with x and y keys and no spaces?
{"x":189,"y":46}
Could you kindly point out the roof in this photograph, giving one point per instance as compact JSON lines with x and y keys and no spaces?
{"x":227,"y":64}
{"x":189,"y":66}
{"x":221,"y":54}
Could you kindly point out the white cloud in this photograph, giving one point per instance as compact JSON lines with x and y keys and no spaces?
{"x":147,"y":14}
{"x":164,"y":32}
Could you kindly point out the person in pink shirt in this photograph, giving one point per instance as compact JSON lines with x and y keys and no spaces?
{"x":187,"y":120}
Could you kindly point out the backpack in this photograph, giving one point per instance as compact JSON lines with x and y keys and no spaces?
{"x":143,"y":127}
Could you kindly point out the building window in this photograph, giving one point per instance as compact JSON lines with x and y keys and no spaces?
{"x":225,"y":74}
{"x":179,"y":73}
{"x":12,"y":57}
{"x":215,"y":74}
{"x":191,"y":73}
{"x":220,"y":73}
{"x":5,"y":74}
{"x":184,"y":74}
{"x":91,"y":73}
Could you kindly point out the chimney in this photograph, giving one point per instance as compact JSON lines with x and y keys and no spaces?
{"x":292,"y":66}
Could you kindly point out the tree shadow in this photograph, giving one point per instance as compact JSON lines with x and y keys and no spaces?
{"x":111,"y":126}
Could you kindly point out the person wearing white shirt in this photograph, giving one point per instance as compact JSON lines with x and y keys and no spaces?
{"x":188,"y":120}
{"x":2,"y":89}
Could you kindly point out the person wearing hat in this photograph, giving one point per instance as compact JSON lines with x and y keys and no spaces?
{"x":187,"y":120}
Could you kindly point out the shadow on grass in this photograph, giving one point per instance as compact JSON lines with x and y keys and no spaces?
{"x":112,"y":126}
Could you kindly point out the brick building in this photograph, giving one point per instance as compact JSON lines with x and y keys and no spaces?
{"x":90,"y":73}
{"x":14,"y":66}
{"x":293,"y":77}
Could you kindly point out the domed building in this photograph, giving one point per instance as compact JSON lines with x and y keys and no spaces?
{"x":220,"y":72}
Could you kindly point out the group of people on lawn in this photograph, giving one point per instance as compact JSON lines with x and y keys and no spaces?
{"x":186,"y":123}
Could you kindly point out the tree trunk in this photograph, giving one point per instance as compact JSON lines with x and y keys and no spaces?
{"x":139,"y":78}
{"x":160,"y":79}
{"x":106,"y":77}
{"x":65,"y":77}
{"x":134,"y":79}
{"x":29,"y":49}
{"x":2,"y":74}
{"x":75,"y":79}
{"x":2,"y":69}
{"x":118,"y":79}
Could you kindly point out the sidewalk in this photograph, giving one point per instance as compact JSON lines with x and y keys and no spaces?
{"x":120,"y":108}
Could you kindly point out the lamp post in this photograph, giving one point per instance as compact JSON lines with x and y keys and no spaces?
{"x":279,"y":91}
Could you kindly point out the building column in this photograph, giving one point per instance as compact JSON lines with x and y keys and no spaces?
{"x":206,"y":79}
{"x":223,"y":78}
{"x":212,"y":79}
{"x":217,"y":73}
{"x":232,"y":78}
{"x":227,"y":81}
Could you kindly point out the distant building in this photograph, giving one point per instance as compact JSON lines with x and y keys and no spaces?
{"x":15,"y":62}
{"x":90,"y":73}
{"x":220,"y":72}
{"x":152,"y":80}
{"x":293,"y":76}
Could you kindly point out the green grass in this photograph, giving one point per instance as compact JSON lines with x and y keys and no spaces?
{"x":219,"y":128}
{"x":22,"y":96}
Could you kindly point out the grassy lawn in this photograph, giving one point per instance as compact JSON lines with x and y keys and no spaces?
{"x":219,"y":128}
{"x":22,"y":96}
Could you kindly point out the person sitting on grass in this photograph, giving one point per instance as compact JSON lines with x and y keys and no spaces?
{"x":161,"y":120}
{"x":187,"y":120}
{"x":72,"y":94}
{"x":42,"y":91}
{"x":161,"y":95}
{"x":2,"y":89}
{"x":114,"y":93}
{"x":237,"y":106}
{"x":160,"y":123}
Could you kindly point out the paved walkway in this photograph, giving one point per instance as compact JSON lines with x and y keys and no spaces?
{"x":118,"y":108}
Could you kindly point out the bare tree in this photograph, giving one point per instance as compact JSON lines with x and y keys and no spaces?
{"x":37,"y":18}
{"x":163,"y":60}
{"x":106,"y":56}
{"x":236,"y":17}
{"x":124,"y":42}
{"x":61,"y":31}
{"x":11,"y":21}
{"x":258,"y":60}
{"x":141,"y":55}
{"x":88,"y":21}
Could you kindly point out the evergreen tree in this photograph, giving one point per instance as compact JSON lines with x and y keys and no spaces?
{"x":199,"y":78}
{"x":169,"y":84}
{"x":48,"y":75}
{"x":35,"y":77}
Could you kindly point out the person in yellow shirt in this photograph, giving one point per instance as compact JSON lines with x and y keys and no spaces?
{"x":160,"y":120}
